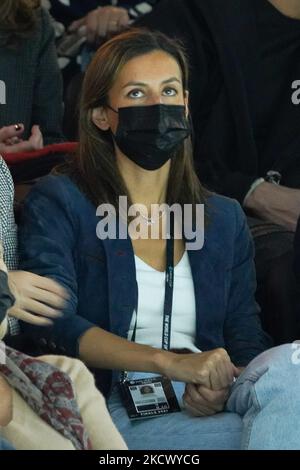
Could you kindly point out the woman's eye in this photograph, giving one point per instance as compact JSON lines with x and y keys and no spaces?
{"x":135,"y":94}
{"x":170,"y":91}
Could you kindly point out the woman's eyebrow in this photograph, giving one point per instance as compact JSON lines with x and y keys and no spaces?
{"x":134,"y":84}
{"x":169,"y":80}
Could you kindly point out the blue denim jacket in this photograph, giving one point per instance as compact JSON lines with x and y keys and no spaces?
{"x":58,"y":239}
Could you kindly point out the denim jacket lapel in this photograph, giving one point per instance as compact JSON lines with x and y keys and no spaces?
{"x":122,"y":285}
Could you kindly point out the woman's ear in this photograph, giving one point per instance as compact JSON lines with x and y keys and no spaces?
{"x":100,"y":119}
{"x":186,"y":102}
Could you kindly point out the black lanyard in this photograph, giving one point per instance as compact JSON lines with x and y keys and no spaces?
{"x":169,"y":288}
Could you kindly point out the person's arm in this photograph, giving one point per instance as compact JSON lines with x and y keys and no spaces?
{"x":101,"y":349}
{"x":38,"y":300}
{"x":11,"y":139}
{"x":46,"y":244}
{"x":107,"y":19}
{"x":6,"y":393}
{"x":274,"y":203}
{"x":102,"y":22}
{"x":48,"y":237}
{"x":47,"y":109}
{"x":243,"y":333}
{"x":5,"y":300}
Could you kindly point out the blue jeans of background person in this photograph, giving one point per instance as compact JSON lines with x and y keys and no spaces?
{"x":4,"y":445}
{"x":263,"y":412}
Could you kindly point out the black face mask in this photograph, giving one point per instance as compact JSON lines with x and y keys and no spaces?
{"x":150,"y":135}
{"x":6,"y":298}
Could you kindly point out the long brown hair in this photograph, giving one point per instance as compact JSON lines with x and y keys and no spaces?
{"x":17,"y":20}
{"x":94,"y":168}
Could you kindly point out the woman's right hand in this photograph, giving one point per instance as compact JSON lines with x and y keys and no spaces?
{"x":39,"y":300}
{"x":212,"y":369}
{"x":11,"y":139}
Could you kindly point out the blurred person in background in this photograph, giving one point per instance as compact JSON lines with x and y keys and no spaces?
{"x":33,"y":85}
{"x":244,"y":98}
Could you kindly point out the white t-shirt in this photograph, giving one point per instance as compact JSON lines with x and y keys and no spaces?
{"x":151,"y":296}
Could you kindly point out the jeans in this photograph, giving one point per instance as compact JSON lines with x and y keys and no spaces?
{"x":262,"y":412}
{"x":4,"y":445}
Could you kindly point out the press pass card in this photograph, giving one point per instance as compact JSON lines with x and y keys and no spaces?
{"x":146,"y":398}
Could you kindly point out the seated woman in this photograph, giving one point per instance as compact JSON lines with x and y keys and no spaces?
{"x":124,"y":312}
{"x":29,"y":70}
{"x":49,"y":403}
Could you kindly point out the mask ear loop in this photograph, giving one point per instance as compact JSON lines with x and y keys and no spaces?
{"x":112,"y":109}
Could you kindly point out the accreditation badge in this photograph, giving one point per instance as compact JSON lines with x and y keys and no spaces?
{"x":149,"y":397}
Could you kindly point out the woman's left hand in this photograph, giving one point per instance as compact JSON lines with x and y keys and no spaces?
{"x":6,"y":402}
{"x":201,"y":401}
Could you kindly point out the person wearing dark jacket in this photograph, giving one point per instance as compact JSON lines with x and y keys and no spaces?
{"x":244,"y":101}
{"x":30,"y":72}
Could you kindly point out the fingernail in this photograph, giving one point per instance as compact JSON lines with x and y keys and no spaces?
{"x":18,"y":127}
